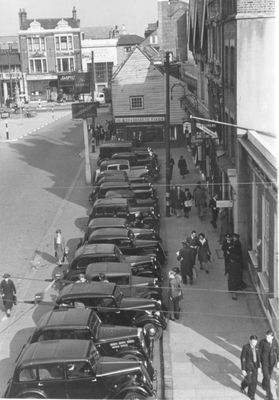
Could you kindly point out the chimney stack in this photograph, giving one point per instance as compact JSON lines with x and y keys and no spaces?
{"x":74,"y":13}
{"x":22,"y":17}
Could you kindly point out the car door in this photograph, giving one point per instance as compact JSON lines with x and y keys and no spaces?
{"x":81,"y":381}
{"x":52,"y":380}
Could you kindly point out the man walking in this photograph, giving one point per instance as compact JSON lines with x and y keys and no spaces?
{"x":182,"y":166}
{"x":250,"y":363}
{"x":8,"y":293}
{"x":185,"y":257}
{"x":214,"y":210}
{"x":199,"y":196}
{"x":269,"y":358}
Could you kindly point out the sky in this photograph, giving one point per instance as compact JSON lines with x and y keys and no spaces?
{"x":134,"y":14}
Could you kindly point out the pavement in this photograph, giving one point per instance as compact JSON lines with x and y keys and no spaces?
{"x":199,"y":354}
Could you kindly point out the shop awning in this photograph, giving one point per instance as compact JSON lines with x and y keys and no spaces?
{"x":208,"y":131}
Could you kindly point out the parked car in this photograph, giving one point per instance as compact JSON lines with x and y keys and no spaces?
{"x":112,"y":307}
{"x":84,"y":324}
{"x":108,"y":149}
{"x":109,"y":222}
{"x":126,"y":242}
{"x":63,"y":369}
{"x":146,"y":234}
{"x":116,"y":207}
{"x":122,"y":275}
{"x":122,"y":165}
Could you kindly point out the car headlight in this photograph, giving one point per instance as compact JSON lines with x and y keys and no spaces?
{"x":159,"y":302}
{"x":155,"y":282}
{"x":157,"y":313}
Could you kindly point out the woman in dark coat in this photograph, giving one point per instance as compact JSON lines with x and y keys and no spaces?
{"x":204,"y":252}
{"x":234,"y":271}
{"x":182,"y":166}
{"x":8,"y":293}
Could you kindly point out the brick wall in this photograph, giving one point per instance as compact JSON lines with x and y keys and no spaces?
{"x":266,"y":7}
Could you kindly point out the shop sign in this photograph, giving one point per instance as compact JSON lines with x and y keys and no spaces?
{"x":129,"y":120}
{"x":82,"y":82}
{"x":224,"y":203}
{"x":84,"y":110}
{"x":66,"y":77}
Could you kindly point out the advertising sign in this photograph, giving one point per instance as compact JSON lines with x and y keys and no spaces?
{"x":82,"y":82}
{"x":224,"y":203}
{"x":84,"y":110}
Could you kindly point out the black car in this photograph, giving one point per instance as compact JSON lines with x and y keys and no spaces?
{"x":108,"y":149}
{"x":116,"y":207}
{"x":127,"y":243}
{"x":73,"y":369}
{"x":84,"y":324}
{"x":110,"y":222}
{"x":112,"y":307}
{"x":130,"y":284}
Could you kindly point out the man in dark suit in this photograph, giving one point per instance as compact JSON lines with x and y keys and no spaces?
{"x":250,"y":362}
{"x":269,"y":358}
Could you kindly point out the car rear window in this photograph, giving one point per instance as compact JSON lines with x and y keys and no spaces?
{"x":50,"y":372}
{"x":27,"y":374}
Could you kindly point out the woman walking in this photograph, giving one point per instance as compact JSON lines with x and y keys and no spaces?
{"x":204,"y":252}
{"x":59,"y":247}
{"x":234,"y":272}
{"x":182,"y":166}
{"x":187,"y":202}
{"x":8,"y":293}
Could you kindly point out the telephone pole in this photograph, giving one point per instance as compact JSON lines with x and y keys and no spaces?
{"x":167,"y":132}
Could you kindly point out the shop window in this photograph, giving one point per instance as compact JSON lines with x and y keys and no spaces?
{"x":136,"y":103}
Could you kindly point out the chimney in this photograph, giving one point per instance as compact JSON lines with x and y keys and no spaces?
{"x":22,"y":17}
{"x":74,"y":13}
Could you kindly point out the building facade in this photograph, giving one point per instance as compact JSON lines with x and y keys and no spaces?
{"x":50,"y":51}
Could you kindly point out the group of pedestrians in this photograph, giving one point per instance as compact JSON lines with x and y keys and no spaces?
{"x":254,"y":355}
{"x":180,"y":201}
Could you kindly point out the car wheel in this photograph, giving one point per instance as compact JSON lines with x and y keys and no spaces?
{"x":154,"y":331}
{"x":132,"y":357}
{"x":134,"y":396}
{"x":30,"y":396}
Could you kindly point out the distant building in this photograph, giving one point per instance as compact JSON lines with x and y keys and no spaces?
{"x":125,"y":45}
{"x":50,"y":52}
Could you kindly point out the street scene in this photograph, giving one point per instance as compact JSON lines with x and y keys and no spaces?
{"x":139,"y":234}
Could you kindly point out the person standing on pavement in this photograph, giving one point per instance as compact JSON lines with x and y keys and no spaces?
{"x":223,"y":223}
{"x":175,"y":295}
{"x":269,"y":358}
{"x":173,"y":200}
{"x":226,"y":247}
{"x":59,"y":247}
{"x":8,"y":293}
{"x":187,"y":202}
{"x":185,"y":257}
{"x":179,"y":200}
{"x":171,"y":164}
{"x":204,"y":253}
{"x":250,"y":362}
{"x":234,"y":272}
{"x":200,"y":199}
{"x":214,"y":210}
{"x":182,"y":166}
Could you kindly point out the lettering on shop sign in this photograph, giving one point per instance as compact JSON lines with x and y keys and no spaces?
{"x":120,"y":120}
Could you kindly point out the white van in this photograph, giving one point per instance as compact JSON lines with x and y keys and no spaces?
{"x":99,"y":97}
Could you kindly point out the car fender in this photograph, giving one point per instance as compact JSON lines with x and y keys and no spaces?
{"x":143,"y":319}
{"x":133,"y":351}
{"x":132,"y":388}
{"x":36,"y":392}
{"x":153,"y":294}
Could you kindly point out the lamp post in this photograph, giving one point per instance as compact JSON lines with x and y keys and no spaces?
{"x":167,"y":132}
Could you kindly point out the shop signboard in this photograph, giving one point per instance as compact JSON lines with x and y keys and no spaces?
{"x":224,"y":203}
{"x":82,"y":82}
{"x":84,"y":110}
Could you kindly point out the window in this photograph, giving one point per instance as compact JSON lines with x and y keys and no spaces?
{"x":100,"y":72}
{"x":50,"y":372}
{"x":136,"y":103}
{"x":64,"y":42}
{"x":37,"y":65}
{"x":127,"y":49}
{"x":27,"y":374}
{"x":232,"y":67}
{"x":65,"y":64}
{"x":36,"y":44}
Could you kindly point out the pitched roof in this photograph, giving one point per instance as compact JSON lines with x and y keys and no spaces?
{"x":50,"y":23}
{"x":125,"y":40}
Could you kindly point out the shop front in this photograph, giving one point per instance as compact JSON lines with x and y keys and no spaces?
{"x":40,"y":86}
{"x":141,"y":130}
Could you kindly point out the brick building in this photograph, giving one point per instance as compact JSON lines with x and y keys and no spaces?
{"x":50,"y":51}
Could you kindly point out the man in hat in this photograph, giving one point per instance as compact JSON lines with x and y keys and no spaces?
{"x":8,"y":293}
{"x":185,"y":257}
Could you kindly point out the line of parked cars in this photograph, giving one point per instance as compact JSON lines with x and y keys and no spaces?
{"x":97,"y":342}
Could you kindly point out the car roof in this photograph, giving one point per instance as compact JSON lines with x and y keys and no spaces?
{"x":109,"y":232}
{"x":83,"y":289}
{"x":64,"y":317}
{"x":118,"y":201}
{"x":116,"y":144}
{"x":113,"y":184}
{"x":124,"y":154}
{"x":109,"y":221}
{"x":108,"y":268}
{"x":56,"y":350}
{"x":113,"y":162}
{"x":98,"y":248}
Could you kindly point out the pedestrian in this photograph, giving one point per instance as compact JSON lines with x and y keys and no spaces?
{"x":250,"y":363}
{"x":185,"y":257}
{"x":174,"y":295}
{"x":199,"y":196}
{"x":234,"y":272}
{"x":187,"y":202}
{"x":236,"y":246}
{"x":179,"y":200}
{"x":97,"y":136}
{"x":269,"y":358}
{"x":59,"y":247}
{"x":182,"y":166}
{"x":171,"y":164}
{"x":223,"y":223}
{"x":204,"y":253}
{"x":8,"y":293}
{"x":226,"y":247}
{"x":193,"y":241}
{"x":214,"y":210}
{"x":173,"y":200}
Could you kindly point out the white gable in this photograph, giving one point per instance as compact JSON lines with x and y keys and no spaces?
{"x":35,"y":26}
{"x":62,"y":25}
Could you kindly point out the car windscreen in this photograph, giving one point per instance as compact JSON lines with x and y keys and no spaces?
{"x":70,"y":333}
